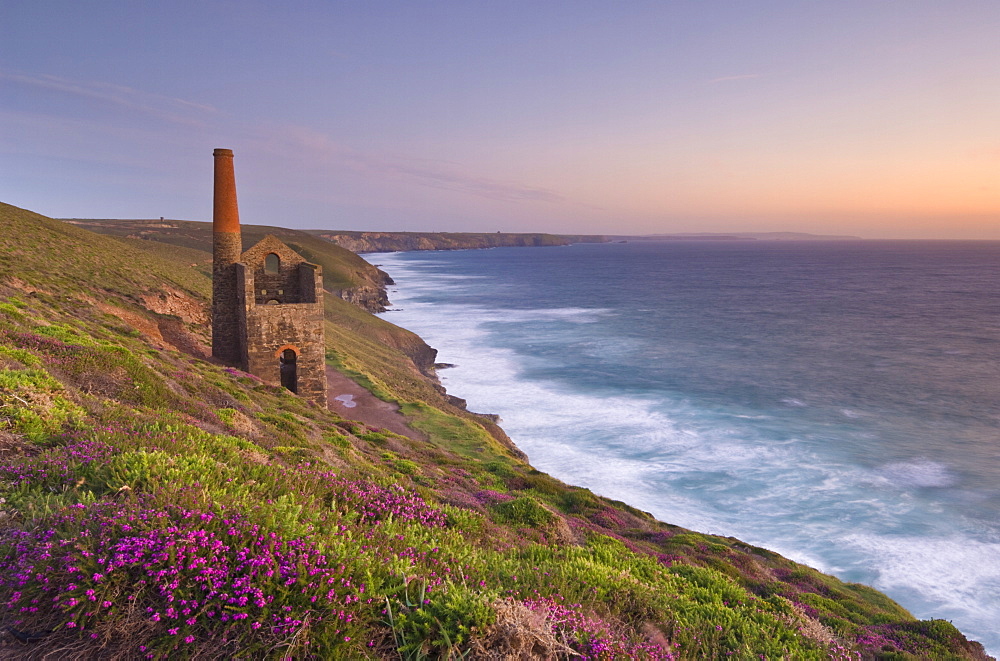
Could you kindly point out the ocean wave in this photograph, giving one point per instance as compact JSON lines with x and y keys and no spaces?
{"x":917,"y":473}
{"x":732,"y":469}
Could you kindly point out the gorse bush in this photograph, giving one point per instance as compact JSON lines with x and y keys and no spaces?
{"x":23,"y":356}
{"x":34,"y":404}
{"x":523,"y":511}
{"x":102,"y":369}
{"x":406,"y":467}
{"x":443,"y":621}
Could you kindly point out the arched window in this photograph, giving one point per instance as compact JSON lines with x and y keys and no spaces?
{"x":272,"y":263}
{"x":289,"y":370}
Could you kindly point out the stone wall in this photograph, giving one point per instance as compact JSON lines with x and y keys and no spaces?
{"x":297,"y":326}
{"x":225,"y":319}
{"x":282,"y":286}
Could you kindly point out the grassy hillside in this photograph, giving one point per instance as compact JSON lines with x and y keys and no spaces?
{"x":156,"y":505}
{"x":344,"y":273}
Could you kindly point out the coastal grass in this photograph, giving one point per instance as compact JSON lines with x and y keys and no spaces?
{"x":62,"y":259}
{"x":342,"y":269}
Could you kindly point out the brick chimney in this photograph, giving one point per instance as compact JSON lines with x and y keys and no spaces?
{"x":227,"y":247}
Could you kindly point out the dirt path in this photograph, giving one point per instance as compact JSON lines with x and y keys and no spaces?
{"x":355,"y":403}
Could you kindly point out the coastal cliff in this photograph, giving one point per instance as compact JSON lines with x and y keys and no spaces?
{"x":155,"y":504}
{"x":362,"y":242}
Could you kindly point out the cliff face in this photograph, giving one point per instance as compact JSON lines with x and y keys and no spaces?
{"x":371,"y":299}
{"x":379,"y":242}
{"x":368,"y":292}
{"x":360,"y":242}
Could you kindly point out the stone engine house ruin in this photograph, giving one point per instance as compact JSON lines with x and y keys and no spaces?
{"x":267,"y":302}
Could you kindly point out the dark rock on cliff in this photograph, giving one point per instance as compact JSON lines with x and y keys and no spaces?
{"x":372,"y":299}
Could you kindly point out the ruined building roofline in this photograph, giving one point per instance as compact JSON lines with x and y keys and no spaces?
{"x":271,"y":243}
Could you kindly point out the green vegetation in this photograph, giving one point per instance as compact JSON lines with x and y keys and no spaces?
{"x":523,"y":511}
{"x":158,"y":505}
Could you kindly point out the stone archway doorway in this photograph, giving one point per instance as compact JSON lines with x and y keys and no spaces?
{"x":287,"y":362}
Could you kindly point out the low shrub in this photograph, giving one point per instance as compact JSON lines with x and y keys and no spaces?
{"x":523,"y":511}
{"x":439,"y":622}
{"x":406,"y":467}
{"x":339,"y":440}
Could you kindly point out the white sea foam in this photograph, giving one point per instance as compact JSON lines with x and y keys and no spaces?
{"x":577,"y":315}
{"x":623,"y":447}
{"x":918,"y":473}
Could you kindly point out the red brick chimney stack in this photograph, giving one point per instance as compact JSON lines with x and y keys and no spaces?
{"x":225,"y":215}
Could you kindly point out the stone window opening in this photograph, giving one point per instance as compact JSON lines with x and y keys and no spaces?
{"x":288,"y":366}
{"x":272,"y":263}
{"x":273,"y":301}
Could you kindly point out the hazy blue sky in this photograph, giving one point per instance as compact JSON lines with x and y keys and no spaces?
{"x":877,"y":118}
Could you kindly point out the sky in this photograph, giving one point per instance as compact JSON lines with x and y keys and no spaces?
{"x":876,"y":118}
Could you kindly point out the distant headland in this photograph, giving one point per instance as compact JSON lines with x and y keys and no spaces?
{"x":367,"y":241}
{"x":406,"y":241}
{"x":186,"y":232}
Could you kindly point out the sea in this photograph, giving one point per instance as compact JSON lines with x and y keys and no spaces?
{"x":835,"y":401}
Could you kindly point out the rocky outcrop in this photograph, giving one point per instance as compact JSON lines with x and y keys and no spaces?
{"x":372,"y":298}
{"x":379,"y":242}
